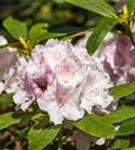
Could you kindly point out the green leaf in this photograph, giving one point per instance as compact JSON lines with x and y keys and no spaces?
{"x":94,"y":125}
{"x":24,"y":116}
{"x":40,"y":138}
{"x":5,"y":101}
{"x":7,"y":120}
{"x":97,"y":6}
{"x":97,"y":36}
{"x":131,"y":148}
{"x":119,"y":115}
{"x":130,"y":6}
{"x":120,"y":143}
{"x":122,"y":90}
{"x":16,"y":28}
{"x":39,"y":33}
{"x":127,"y":128}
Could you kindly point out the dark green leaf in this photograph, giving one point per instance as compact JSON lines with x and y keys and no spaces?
{"x":104,"y":26}
{"x":67,"y":29}
{"x":24,"y":116}
{"x":127,"y":128}
{"x":119,"y":115}
{"x":120,"y":143}
{"x":7,"y":120}
{"x":122,"y":90}
{"x":94,"y":125}
{"x":131,"y":148}
{"x":39,"y":138}
{"x":5,"y":101}
{"x":39,"y":33}
{"x":97,"y":6}
{"x":16,"y":28}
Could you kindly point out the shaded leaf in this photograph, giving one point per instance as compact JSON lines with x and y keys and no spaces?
{"x":5,"y":101}
{"x":122,"y":90}
{"x":119,"y":115}
{"x":97,"y":36}
{"x":67,"y":29}
{"x":24,"y":116}
{"x":120,"y":143}
{"x":97,"y":6}
{"x":127,"y":128}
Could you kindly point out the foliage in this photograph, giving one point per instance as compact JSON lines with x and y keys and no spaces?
{"x":24,"y":34}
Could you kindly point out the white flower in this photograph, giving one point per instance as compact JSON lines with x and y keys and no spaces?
{"x":70,"y":72}
{"x":61,"y":99}
{"x":22,"y":99}
{"x":95,"y":89}
{"x":3,"y":40}
{"x":61,"y":103}
{"x":64,"y":80}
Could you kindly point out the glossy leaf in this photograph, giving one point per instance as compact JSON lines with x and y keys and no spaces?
{"x":39,"y":33}
{"x":7,"y":120}
{"x":97,"y":36}
{"x":97,"y":6}
{"x":16,"y":28}
{"x":120,"y":143}
{"x":94,"y":125}
{"x":5,"y":101}
{"x":119,"y":115}
{"x":122,"y":90}
{"x":39,"y":138}
{"x":127,"y":128}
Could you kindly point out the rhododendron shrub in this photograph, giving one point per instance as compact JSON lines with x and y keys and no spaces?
{"x":69,"y":89}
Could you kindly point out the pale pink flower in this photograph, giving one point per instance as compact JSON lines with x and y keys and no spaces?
{"x":61,"y":103}
{"x":8,"y":59}
{"x":56,"y":76}
{"x":33,"y":77}
{"x":75,"y":74}
{"x":95,"y":89}
{"x":118,"y":59}
{"x":117,"y":56}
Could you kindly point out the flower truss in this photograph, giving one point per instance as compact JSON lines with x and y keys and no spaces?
{"x":64,"y":81}
{"x":118,"y":58}
{"x":116,"y":54}
{"x":8,"y":59}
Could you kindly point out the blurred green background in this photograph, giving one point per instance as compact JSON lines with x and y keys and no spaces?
{"x":59,"y":14}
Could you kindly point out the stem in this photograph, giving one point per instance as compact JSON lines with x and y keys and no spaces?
{"x":60,"y":138}
{"x":70,"y":37}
